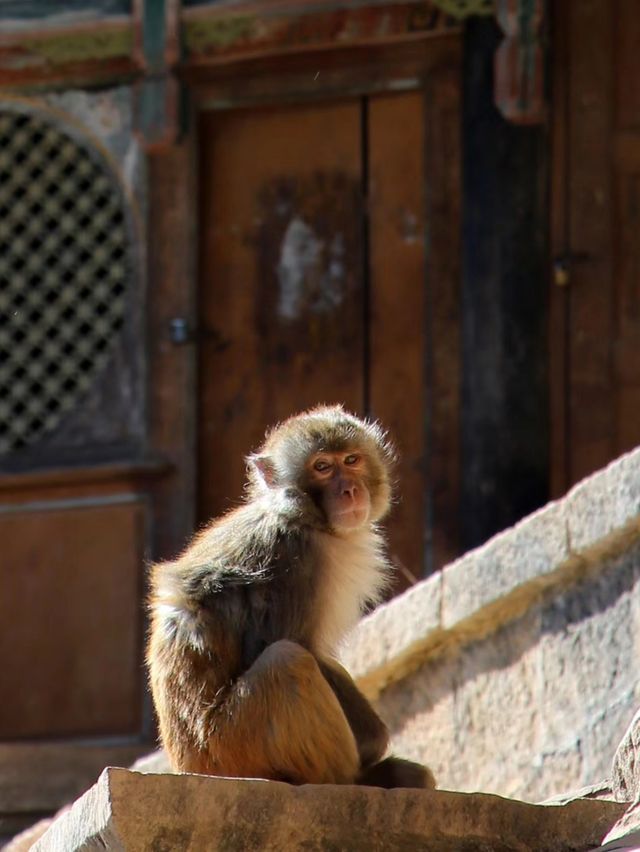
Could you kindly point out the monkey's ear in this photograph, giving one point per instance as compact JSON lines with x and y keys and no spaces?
{"x":265,"y":470}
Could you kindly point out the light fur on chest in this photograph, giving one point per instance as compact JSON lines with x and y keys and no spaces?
{"x":353,"y":573}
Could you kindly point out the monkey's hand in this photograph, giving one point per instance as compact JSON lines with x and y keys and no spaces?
{"x":370,"y":732}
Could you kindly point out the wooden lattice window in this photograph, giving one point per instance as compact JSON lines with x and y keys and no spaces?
{"x":64,"y":266}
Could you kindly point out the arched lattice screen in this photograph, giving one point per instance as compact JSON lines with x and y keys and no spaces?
{"x":64,"y":266}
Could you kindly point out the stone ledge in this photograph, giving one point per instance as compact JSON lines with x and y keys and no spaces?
{"x":132,"y":811}
{"x":497,"y":582}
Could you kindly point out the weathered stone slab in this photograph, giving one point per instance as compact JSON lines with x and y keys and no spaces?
{"x":625,"y":770}
{"x":604,"y":503}
{"x":625,"y":834}
{"x":130,"y":811}
{"x":532,"y":549}
{"x":396,"y":630}
{"x":41,"y":777}
{"x":157,"y":761}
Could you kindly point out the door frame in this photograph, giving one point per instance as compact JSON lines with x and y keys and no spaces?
{"x":430,"y":64}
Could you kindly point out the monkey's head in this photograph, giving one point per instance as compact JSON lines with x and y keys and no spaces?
{"x":341,"y":463}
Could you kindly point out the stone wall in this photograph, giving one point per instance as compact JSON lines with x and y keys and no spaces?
{"x":516,"y":669}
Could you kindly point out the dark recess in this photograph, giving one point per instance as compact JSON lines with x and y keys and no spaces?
{"x":505,"y":428}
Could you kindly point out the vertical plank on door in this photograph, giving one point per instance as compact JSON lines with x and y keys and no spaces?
{"x":172,"y":369}
{"x":443,"y":183}
{"x":281,"y":302}
{"x":414,"y":181}
{"x":397,"y":394}
{"x":627,"y":223}
{"x":591,"y":391}
{"x":627,"y":63}
{"x":559,"y":292}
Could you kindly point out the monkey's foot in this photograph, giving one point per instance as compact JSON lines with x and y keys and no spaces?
{"x":397,"y":772}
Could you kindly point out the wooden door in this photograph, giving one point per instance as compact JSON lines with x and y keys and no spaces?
{"x":595,"y":300}
{"x":313,"y":288}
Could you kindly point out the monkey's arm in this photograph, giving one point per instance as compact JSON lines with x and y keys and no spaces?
{"x":368,"y":728}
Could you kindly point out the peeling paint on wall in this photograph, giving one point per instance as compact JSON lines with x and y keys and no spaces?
{"x":310,"y":275}
{"x":309,"y":261}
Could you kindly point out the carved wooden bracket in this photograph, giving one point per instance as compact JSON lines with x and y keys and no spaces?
{"x":519,"y":61}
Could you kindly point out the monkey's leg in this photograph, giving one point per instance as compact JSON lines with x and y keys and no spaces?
{"x":368,"y":728}
{"x":372,"y":737}
{"x":283,"y":721}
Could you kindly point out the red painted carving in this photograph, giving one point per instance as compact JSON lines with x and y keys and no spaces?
{"x":519,"y":61}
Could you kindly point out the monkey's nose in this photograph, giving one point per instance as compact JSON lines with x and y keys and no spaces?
{"x":349,"y":489}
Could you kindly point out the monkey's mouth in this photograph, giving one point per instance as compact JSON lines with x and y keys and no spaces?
{"x":350,"y":518}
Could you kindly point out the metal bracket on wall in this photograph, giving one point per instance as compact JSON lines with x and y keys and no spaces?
{"x":157,"y":47}
{"x":182,"y":333}
{"x":563,"y":266}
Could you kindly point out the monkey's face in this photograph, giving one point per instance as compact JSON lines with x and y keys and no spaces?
{"x":341,"y":463}
{"x":339,"y":482}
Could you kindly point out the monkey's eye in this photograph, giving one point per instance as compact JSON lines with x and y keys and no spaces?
{"x":321,"y":465}
{"x":352,"y":459}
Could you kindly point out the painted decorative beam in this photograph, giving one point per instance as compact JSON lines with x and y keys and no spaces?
{"x":461,"y":9}
{"x":157,"y":48}
{"x":59,"y":50}
{"x":224,"y":32}
{"x":70,"y":49}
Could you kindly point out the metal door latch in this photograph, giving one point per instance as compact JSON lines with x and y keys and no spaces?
{"x":563,"y":263}
{"x":181,"y":333}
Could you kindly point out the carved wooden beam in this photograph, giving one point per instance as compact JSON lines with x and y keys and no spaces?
{"x":228,"y":31}
{"x":519,"y":62}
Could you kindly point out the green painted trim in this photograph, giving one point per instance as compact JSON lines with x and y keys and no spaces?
{"x":62,"y":48}
{"x":466,"y":8}
{"x":199,"y":36}
{"x":154,"y":33}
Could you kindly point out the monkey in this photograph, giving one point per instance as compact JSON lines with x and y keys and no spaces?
{"x":245,"y":624}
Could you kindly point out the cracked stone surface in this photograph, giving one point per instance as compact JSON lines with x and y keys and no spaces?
{"x":133,"y":811}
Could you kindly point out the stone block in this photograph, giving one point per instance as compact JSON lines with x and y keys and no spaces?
{"x":625,"y":771}
{"x":604,"y":503}
{"x":486,"y":576}
{"x":394,"y":629}
{"x":135,"y":812}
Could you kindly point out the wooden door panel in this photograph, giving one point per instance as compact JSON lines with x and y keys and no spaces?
{"x":626,"y":243}
{"x":306,"y":300}
{"x":596,"y":368}
{"x":71,"y":660}
{"x":591,"y":391}
{"x":626,"y":22}
{"x":443,"y":373}
{"x":281,"y":277}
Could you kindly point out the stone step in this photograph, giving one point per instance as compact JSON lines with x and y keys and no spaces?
{"x":137,"y":812}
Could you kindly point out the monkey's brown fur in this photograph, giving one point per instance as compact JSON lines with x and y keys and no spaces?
{"x":245,"y":623}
